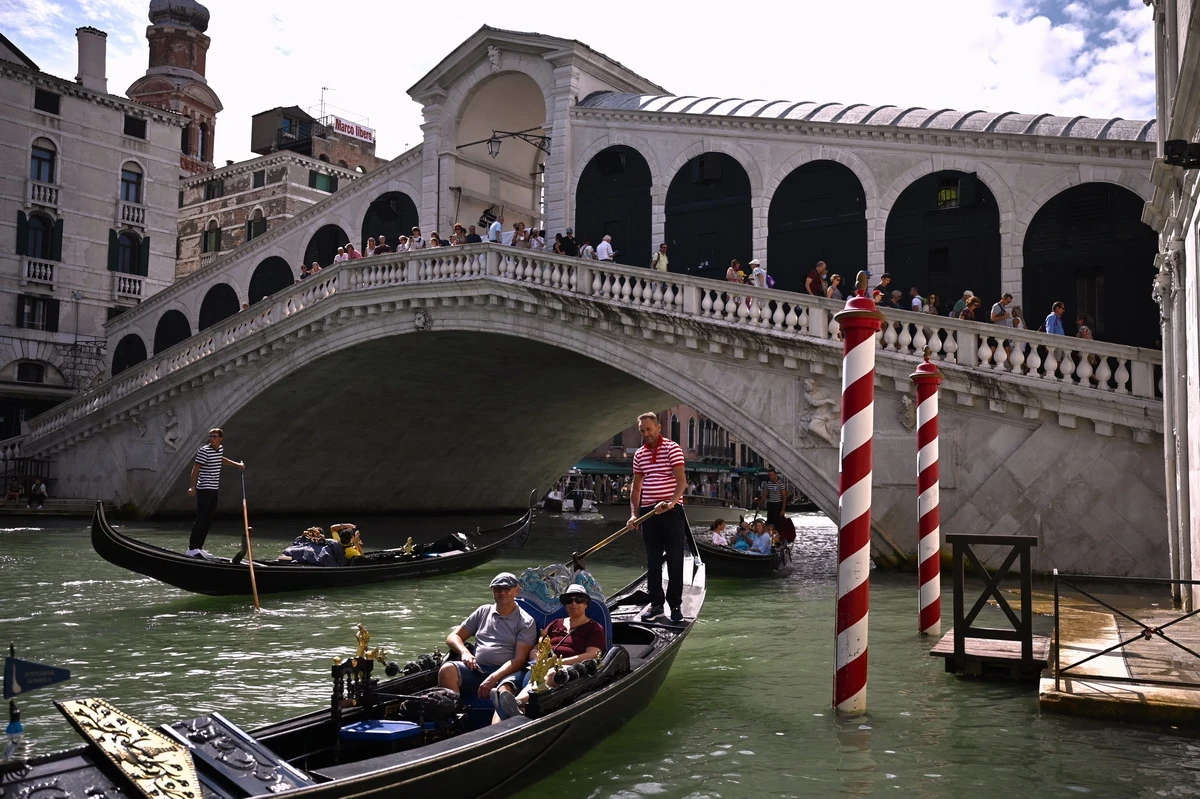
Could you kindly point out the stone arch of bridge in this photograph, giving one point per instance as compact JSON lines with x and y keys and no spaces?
{"x":611,"y":374}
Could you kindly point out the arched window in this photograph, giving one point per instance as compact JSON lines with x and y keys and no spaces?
{"x":256,"y":225}
{"x":211,"y":241}
{"x":131,"y":183}
{"x":692,"y":433}
{"x":42,"y":159}
{"x":127,"y":252}
{"x":37,"y":243}
{"x":675,"y":428}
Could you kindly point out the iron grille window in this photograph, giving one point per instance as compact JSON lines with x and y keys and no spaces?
{"x":41,"y":164}
{"x":37,"y":313}
{"x":947,"y":195}
{"x":46,"y":102}
{"x":29,"y":372}
{"x":135,"y":127}
{"x":260,"y":178}
{"x":131,"y":186}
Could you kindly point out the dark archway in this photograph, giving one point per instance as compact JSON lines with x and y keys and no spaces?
{"x":708,"y":216}
{"x":270,"y":276}
{"x":219,"y":303}
{"x":172,"y":328}
{"x":130,"y":351}
{"x":818,"y":213}
{"x":613,"y":198}
{"x":1089,"y":248}
{"x":324,"y":244}
{"x":393,"y":215}
{"x":943,"y":236}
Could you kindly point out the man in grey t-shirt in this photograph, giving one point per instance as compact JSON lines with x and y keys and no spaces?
{"x":504,"y":635}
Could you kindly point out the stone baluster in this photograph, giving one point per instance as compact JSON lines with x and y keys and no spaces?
{"x":919,"y":341}
{"x":743,"y":310}
{"x":656,"y":296}
{"x":1121,"y":376}
{"x":714,"y":306}
{"x":1084,"y":369}
{"x":778,"y":317}
{"x":1103,"y":374}
{"x":890,"y":339}
{"x":1051,"y":364}
{"x":984,"y":353}
{"x":904,"y":342}
{"x":1017,"y":356}
{"x":791,"y":320}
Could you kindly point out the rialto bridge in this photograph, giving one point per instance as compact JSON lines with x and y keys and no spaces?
{"x":494,"y":368}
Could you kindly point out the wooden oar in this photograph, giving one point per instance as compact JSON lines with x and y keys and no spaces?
{"x":249,"y":547}
{"x":577,"y":558}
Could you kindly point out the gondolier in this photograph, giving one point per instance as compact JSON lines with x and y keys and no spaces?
{"x":658,"y":484}
{"x":204,"y":482}
{"x":774,"y":493}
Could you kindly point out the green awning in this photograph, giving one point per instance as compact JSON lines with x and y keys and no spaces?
{"x":751,"y":470}
{"x":594,"y":466}
{"x":701,"y":466}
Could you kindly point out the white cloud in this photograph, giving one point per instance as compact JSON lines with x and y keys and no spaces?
{"x":1091,"y":58}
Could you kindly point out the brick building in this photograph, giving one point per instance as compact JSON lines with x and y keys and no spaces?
{"x":348,"y":144}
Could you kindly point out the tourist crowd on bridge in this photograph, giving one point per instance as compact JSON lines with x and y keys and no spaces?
{"x":819,"y":282}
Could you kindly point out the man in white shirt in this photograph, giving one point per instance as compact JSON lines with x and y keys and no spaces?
{"x":496,"y":230}
{"x":605,"y":251}
{"x":341,"y":256}
{"x":415,"y":242}
{"x":759,"y":275}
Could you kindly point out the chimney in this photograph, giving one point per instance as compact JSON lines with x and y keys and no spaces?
{"x":92,"y":57}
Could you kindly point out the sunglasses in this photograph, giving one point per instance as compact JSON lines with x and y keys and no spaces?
{"x":574,"y":599}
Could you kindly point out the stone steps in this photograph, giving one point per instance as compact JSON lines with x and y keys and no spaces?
{"x":55,"y":507}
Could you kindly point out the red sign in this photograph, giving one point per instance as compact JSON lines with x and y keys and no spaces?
{"x":353,"y":129}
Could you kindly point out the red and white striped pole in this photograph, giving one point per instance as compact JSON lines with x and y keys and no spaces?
{"x":927,"y":377}
{"x":859,"y":322}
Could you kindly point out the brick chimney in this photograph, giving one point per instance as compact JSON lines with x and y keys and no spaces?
{"x":92,"y":57}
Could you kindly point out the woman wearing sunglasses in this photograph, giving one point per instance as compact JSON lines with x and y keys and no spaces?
{"x":575,"y":638}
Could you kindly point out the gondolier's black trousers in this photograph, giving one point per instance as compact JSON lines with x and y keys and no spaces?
{"x":665,"y":536}
{"x":206,"y":503}
{"x":774,"y":512}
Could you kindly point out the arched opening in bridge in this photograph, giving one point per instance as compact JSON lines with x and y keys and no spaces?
{"x":708,"y":216}
{"x":220,"y":302}
{"x":818,"y":213}
{"x":510,"y":182}
{"x":130,"y":351}
{"x":271,"y":275}
{"x":324,"y":244}
{"x":613,"y":198}
{"x":943,"y":236}
{"x":172,"y":328}
{"x":1088,"y":247}
{"x":393,"y":215}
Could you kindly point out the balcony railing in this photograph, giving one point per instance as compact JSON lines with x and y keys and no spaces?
{"x":131,"y":214}
{"x":44,"y":194}
{"x":37,"y":272}
{"x":127,"y":286}
{"x":207,"y":258}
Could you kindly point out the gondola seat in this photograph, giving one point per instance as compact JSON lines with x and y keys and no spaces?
{"x":597,"y":611}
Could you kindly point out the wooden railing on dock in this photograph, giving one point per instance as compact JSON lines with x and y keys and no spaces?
{"x":990,"y":651}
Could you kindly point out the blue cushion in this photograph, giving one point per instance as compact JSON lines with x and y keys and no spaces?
{"x":380,"y":730}
{"x":597,"y":611}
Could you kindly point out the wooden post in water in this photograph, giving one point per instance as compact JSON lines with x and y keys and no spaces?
{"x":927,"y":377}
{"x":859,"y":322}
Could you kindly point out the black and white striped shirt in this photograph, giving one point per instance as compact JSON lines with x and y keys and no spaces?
{"x":774,"y":489}
{"x":210,"y":466}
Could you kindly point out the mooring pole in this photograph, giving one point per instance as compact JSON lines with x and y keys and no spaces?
{"x":927,"y":378}
{"x":859,"y":321}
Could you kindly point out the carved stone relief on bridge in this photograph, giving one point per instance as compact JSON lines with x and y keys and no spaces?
{"x":908,"y":413}
{"x":819,"y":424}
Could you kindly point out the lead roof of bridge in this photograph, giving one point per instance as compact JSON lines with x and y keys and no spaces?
{"x":945,"y":119}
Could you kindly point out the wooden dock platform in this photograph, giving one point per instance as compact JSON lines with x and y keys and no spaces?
{"x":986,"y":657}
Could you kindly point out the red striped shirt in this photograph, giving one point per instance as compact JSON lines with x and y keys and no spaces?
{"x":657,"y":467}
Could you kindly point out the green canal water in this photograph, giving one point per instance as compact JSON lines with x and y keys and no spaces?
{"x":744,"y":713}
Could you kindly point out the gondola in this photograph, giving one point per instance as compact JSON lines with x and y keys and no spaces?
{"x":375,"y":739}
{"x":729,"y":562}
{"x":223,"y":577}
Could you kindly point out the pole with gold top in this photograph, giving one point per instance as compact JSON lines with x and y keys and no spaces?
{"x":927,"y":377}
{"x":859,"y":321}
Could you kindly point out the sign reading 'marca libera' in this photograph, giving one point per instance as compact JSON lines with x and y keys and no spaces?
{"x":353,"y":129}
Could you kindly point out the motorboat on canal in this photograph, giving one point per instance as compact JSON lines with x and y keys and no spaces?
{"x":378,"y":738}
{"x":223,"y":577}
{"x":706,"y":510}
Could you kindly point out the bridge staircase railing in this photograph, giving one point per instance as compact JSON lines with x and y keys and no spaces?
{"x":1014,"y":355}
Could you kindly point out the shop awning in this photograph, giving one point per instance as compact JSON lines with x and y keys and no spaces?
{"x":595,"y":466}
{"x":701,"y":466}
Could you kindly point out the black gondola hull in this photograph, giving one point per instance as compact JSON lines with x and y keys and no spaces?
{"x":727,"y":562}
{"x":225,"y":578}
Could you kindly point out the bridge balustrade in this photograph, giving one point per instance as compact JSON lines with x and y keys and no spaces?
{"x":1019,"y":356}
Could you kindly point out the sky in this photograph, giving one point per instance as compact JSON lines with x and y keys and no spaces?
{"x":1082,"y":57}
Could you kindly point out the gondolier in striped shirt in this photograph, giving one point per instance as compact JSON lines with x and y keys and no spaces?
{"x":774,"y":493}
{"x":203,"y":484}
{"x":658,"y":484}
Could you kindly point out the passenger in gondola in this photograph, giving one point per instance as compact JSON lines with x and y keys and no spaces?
{"x":762,"y":539}
{"x":350,"y":538}
{"x":575,"y":639}
{"x":504,"y":635}
{"x":718,"y":533}
{"x":314,"y":549}
{"x":743,"y":540}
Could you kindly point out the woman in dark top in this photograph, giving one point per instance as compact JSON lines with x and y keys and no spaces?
{"x":575,"y":639}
